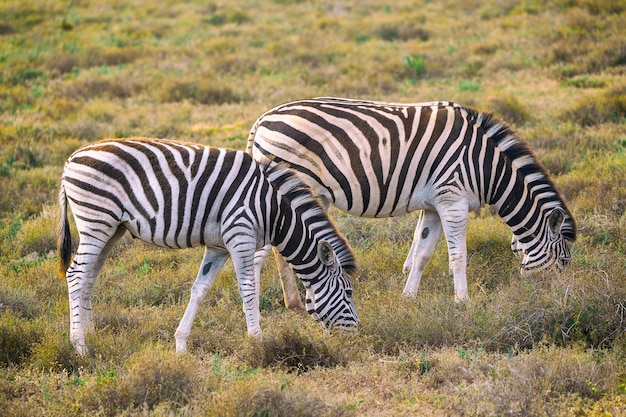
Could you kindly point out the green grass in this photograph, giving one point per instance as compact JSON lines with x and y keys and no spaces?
{"x":73,"y":73}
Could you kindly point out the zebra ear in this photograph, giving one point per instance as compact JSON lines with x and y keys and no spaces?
{"x":556,"y":219}
{"x":326,"y":253}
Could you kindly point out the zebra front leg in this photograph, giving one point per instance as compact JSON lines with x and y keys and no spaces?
{"x":212,"y":262}
{"x":425,"y":239}
{"x":259,"y":258}
{"x":248,"y":289}
{"x":291,"y":295}
{"x":454,"y":222}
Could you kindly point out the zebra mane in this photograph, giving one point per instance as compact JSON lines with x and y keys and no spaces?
{"x":299,"y":194}
{"x":504,"y":137}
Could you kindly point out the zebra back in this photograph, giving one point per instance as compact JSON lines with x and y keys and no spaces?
{"x":368,"y":158}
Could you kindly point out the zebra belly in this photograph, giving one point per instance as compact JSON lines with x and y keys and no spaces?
{"x":185,"y":237}
{"x":392,"y":206}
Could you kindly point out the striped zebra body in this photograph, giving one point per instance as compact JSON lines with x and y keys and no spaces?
{"x":181,"y":195}
{"x":375,"y":159}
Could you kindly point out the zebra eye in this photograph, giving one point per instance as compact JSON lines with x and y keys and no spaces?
{"x":349,"y":293}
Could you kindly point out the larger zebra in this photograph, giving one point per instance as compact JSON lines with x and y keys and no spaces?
{"x":376,"y":159}
{"x":181,"y":195}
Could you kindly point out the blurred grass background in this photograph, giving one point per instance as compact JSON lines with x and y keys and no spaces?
{"x":73,"y":72}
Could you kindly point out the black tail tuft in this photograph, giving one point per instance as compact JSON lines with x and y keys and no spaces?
{"x":64,"y":241}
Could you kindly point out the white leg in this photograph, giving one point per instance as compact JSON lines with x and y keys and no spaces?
{"x":248,"y":289}
{"x":212,"y":262}
{"x":81,"y":278}
{"x":454,"y":223}
{"x":291,"y":295}
{"x":259,"y":257}
{"x":517,"y":248}
{"x":425,"y":239}
{"x":87,"y":315}
{"x":79,"y":275}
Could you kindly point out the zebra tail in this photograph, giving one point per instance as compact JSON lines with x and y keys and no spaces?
{"x":64,"y":241}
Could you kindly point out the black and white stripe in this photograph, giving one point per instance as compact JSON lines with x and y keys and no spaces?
{"x":376,"y":159}
{"x":181,"y":195}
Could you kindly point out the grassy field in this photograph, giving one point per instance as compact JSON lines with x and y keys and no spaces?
{"x":73,"y":72}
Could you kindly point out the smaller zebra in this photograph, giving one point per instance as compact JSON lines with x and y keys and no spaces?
{"x":180,"y":195}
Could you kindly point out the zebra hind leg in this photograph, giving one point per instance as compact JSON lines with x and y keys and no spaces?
{"x":291,"y":295}
{"x":88,"y":289}
{"x":81,"y":277}
{"x":425,"y":239}
{"x":212,"y":262}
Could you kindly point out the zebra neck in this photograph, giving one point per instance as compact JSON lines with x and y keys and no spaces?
{"x":525,"y":207}
{"x":289,"y":233}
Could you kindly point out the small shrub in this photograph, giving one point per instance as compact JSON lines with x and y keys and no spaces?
{"x":110,"y":56}
{"x":603,"y":7}
{"x":585,"y":82}
{"x":593,"y":196}
{"x":117,"y":86}
{"x":39,"y":234}
{"x":469,"y":86}
{"x":263,"y":401}
{"x":228,"y":16}
{"x":510,"y":109}
{"x":578,"y":56}
{"x":82,"y":130}
{"x":290,"y":348}
{"x":55,"y":352}
{"x":23,"y":77}
{"x":15,"y":97}
{"x":17,"y":337}
{"x":20,"y":303}
{"x":155,"y":375}
{"x":544,"y":381}
{"x":152,"y":378}
{"x":607,"y":107}
{"x":416,"y":64}
{"x":203,"y":92}
{"x":63,"y":63}
{"x":388,"y":33}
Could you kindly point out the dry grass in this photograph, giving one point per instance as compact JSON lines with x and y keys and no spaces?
{"x":545,"y":345}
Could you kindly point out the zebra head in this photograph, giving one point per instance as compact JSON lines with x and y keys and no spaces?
{"x":548,"y":248}
{"x":329,"y":298}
